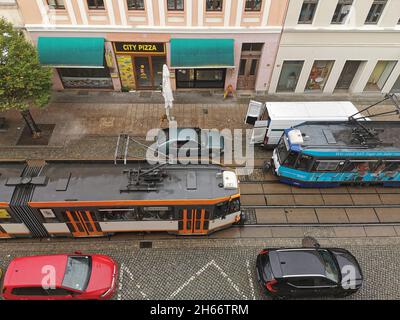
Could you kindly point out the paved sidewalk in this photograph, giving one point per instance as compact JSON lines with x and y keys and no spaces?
{"x":87,"y":124}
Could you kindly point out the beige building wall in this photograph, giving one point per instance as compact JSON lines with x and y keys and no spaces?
{"x":9,"y":10}
{"x":116,"y":13}
{"x":353,"y":40}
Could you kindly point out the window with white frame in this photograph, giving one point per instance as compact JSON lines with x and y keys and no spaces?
{"x":253,"y":5}
{"x":95,"y":4}
{"x":175,"y":5}
{"x":56,"y":4}
{"x":214,"y":5}
{"x":135,"y":4}
{"x":308,"y":11}
{"x":375,"y":12}
{"x":342,"y":11}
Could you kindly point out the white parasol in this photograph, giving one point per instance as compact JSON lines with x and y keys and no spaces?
{"x":167,"y":91}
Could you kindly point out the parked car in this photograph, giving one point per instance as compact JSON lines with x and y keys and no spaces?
{"x":75,"y":277}
{"x":196,"y":142}
{"x":307,"y":272}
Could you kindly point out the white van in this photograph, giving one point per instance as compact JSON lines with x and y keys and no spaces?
{"x":271,"y":118}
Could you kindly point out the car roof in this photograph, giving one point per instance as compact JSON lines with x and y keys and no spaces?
{"x":297,"y":262}
{"x":30,"y":271}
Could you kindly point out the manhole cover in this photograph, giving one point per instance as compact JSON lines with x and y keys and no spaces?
{"x":146,"y":244}
{"x":310,"y":242}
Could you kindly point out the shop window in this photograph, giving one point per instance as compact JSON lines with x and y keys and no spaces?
{"x":308,"y":11}
{"x":175,"y":5}
{"x":86,"y":77}
{"x":319,"y":75}
{"x":135,"y":4}
{"x":95,"y":4}
{"x":200,"y":78}
{"x":375,"y":12}
{"x":342,"y":11}
{"x":214,"y":5}
{"x":253,"y":5}
{"x":289,"y":76}
{"x":380,"y":75}
{"x":56,"y":4}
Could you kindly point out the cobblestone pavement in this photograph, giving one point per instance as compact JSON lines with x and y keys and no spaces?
{"x":215,"y":269}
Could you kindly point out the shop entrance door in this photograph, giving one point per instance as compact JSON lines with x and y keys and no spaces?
{"x":144,"y":73}
{"x":346,"y":77}
{"x":396,"y":87}
{"x":82,"y":224}
{"x":247,"y":73}
{"x":194,"y":221}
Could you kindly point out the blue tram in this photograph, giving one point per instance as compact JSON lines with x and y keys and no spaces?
{"x":330,"y":154}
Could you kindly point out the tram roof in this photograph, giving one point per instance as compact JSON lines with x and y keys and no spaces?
{"x":328,"y":137}
{"x":79,"y":181}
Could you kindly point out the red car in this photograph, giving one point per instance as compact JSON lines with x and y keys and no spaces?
{"x":60,"y":277}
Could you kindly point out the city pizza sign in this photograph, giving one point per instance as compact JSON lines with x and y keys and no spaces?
{"x":140,"y":47}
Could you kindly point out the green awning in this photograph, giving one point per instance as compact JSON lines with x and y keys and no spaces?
{"x":71,"y":52}
{"x":202,"y":53}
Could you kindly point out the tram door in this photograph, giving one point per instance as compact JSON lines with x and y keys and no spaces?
{"x":194,"y":221}
{"x":82,"y":224}
{"x":3,"y":234}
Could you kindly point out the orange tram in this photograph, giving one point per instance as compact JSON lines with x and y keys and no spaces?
{"x":92,"y":199}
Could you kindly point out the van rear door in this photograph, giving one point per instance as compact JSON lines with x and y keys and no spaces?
{"x":259,"y":131}
{"x":254,"y":112}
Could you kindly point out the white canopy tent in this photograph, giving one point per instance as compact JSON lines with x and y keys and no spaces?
{"x":167,"y":92}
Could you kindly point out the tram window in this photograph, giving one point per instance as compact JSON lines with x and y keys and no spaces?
{"x":304,"y":163}
{"x":392,"y":167}
{"x":157,"y":213}
{"x":360,"y":166}
{"x":234,"y":205}
{"x":221,"y":209}
{"x":5,"y":217}
{"x":119,"y":214}
{"x":291,"y":159}
{"x":282,"y":151}
{"x":327,"y":165}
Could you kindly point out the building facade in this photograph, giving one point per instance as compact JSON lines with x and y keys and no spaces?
{"x":122,"y":45}
{"x":344,"y":46}
{"x":10,"y":11}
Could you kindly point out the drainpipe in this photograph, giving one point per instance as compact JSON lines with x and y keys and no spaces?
{"x":279,"y":42}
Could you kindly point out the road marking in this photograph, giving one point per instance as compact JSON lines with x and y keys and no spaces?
{"x":250,"y":280}
{"x":200,"y":271}
{"x":121,"y":277}
{"x":130,"y":275}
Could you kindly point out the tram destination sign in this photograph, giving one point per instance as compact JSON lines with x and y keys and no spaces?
{"x":140,"y":47}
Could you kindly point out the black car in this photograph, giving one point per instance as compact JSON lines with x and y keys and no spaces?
{"x":308,"y":272}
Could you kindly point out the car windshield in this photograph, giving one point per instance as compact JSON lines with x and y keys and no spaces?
{"x":331,"y":269}
{"x":77,"y":273}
